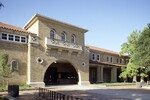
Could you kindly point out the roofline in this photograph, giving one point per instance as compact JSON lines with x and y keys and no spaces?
{"x":107,"y":51}
{"x":36,"y":16}
{"x":14,"y":28}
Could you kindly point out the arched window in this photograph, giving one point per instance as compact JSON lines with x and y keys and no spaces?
{"x":14,"y":65}
{"x":52,"y":34}
{"x":73,"y":39}
{"x":63,"y":36}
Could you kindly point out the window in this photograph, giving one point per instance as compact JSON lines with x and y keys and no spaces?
{"x":17,"y":38}
{"x":117,"y":60}
{"x":23,"y":39}
{"x":11,"y":37}
{"x":63,"y":36}
{"x":52,"y":34}
{"x":73,"y":38}
{"x":93,"y":57}
{"x":107,"y":59}
{"x":98,"y":57}
{"x":110,"y":59}
{"x":120,"y":61}
{"x":4,"y":36}
{"x":14,"y":65}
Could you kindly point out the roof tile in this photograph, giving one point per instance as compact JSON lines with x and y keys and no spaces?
{"x":15,"y":28}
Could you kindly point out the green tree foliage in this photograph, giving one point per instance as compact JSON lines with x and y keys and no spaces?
{"x":128,"y":48}
{"x":141,"y":56}
{"x":1,"y":5}
{"x":5,"y":70}
{"x":138,"y":49}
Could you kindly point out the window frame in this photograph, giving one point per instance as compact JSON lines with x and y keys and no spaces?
{"x":53,"y":35}
{"x":93,"y":57}
{"x":63,"y":36}
{"x":98,"y":57}
{"x":12,"y":67}
{"x":13,"y":38}
{"x":73,"y":38}
{"x":3,"y":37}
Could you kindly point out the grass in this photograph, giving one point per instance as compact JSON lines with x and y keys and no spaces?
{"x":116,"y":84}
{"x":21,"y":87}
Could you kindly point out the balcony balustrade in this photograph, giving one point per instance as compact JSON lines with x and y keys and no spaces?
{"x":54,"y":43}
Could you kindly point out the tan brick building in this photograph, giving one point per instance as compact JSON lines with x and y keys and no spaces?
{"x":47,"y":51}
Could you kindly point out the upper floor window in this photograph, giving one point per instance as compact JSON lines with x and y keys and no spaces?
{"x":107,"y":59}
{"x":117,"y":60}
{"x":93,"y":57}
{"x":120,"y":61}
{"x":4,"y":36}
{"x":17,"y":38}
{"x":73,"y":38}
{"x":13,"y":38}
{"x":111,"y":59}
{"x":98,"y":57}
{"x":63,"y":36}
{"x":52,"y":34}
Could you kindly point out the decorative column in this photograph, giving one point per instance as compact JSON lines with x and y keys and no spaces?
{"x":113,"y":74}
{"x":100,"y":73}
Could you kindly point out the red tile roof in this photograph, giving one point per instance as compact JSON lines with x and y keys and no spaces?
{"x":103,"y":50}
{"x":15,"y":28}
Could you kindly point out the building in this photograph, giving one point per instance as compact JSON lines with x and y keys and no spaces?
{"x":105,"y":65}
{"x":47,"y":51}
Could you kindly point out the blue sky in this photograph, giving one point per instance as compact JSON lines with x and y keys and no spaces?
{"x":109,"y":22}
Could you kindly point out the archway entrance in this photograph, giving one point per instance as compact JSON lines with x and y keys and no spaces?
{"x":60,"y":73}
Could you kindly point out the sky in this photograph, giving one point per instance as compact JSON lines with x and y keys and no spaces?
{"x":109,"y":22}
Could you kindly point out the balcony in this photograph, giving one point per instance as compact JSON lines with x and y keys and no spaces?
{"x":58,"y":44}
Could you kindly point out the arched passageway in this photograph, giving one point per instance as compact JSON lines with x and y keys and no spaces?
{"x":60,"y":73}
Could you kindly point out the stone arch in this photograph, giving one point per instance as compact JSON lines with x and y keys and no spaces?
{"x":67,"y":72}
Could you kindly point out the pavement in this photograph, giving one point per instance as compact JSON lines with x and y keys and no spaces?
{"x":93,"y":92}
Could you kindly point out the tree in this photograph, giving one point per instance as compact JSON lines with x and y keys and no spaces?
{"x":5,"y":70}
{"x":141,"y":56}
{"x":128,"y":48}
{"x":1,"y":5}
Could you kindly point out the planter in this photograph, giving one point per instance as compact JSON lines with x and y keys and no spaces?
{"x":138,"y":85}
{"x":13,"y":90}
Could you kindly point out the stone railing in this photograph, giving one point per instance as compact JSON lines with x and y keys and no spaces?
{"x":62,"y":44}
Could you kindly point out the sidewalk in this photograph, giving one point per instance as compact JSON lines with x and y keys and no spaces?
{"x":93,"y":92}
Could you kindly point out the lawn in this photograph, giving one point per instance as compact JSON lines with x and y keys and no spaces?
{"x":116,"y":84}
{"x":21,"y":87}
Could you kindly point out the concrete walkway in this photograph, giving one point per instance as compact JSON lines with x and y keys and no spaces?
{"x":94,"y":92}
{"x":120,"y":92}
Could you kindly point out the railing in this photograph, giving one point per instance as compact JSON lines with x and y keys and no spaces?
{"x":59,"y":43}
{"x":52,"y":95}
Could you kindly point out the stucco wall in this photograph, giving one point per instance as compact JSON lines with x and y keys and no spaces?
{"x":37,"y":70}
{"x":18,"y":52}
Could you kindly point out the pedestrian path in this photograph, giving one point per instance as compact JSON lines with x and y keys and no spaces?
{"x":92,"y":92}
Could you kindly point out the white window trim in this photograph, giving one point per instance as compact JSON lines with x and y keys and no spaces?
{"x":120,"y":61}
{"x":64,"y":35}
{"x":97,"y":56}
{"x":53,"y":33}
{"x":110,"y":59}
{"x":74,"y":38}
{"x":94,"y":57}
{"x":13,"y":38}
